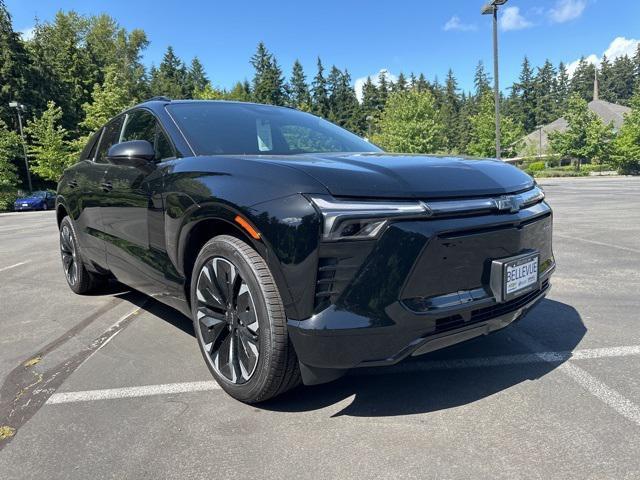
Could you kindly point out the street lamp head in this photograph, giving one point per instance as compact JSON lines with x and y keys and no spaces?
{"x":13,"y":104}
{"x":489,"y":7}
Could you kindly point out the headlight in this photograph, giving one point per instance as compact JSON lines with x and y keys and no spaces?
{"x":356,"y":220}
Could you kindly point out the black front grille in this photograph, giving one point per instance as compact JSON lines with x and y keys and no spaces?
{"x":482,"y":314}
{"x":507,"y":307}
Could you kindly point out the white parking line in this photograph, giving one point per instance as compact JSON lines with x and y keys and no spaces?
{"x":14,"y":265}
{"x":465,"y":363}
{"x":591,"y":384}
{"x":131,"y":392}
{"x":595,"y":242}
{"x":595,"y":387}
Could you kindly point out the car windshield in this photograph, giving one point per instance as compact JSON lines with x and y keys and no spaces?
{"x":39,"y":194}
{"x":221,"y":128}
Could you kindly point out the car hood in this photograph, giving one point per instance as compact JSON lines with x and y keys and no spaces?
{"x":408,"y":176}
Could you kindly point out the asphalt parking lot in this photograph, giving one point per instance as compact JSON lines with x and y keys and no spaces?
{"x":113,"y":385}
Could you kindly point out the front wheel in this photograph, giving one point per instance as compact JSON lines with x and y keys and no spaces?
{"x":240,"y":322}
{"x":76,"y":274}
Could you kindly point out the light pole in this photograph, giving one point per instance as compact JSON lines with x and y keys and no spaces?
{"x":19,"y":107}
{"x":491,"y":8}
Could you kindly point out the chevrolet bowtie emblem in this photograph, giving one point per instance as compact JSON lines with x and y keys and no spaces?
{"x":513,"y":203}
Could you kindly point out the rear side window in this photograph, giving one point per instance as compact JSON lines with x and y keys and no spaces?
{"x":142,"y":125}
{"x":89,"y":151}
{"x":110,"y":136}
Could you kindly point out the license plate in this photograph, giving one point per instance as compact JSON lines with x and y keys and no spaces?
{"x":520,"y":274}
{"x":25,"y":204}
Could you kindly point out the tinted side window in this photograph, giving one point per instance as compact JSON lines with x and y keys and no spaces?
{"x":110,"y":136}
{"x":142,"y":125}
{"x":164,"y":149}
{"x":89,"y":151}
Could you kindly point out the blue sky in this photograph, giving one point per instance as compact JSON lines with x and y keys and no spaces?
{"x":364,"y":36}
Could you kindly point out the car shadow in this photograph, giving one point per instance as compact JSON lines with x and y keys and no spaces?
{"x":414,"y":385}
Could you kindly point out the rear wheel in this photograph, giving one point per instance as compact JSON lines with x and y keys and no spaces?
{"x":240,"y":322}
{"x":76,"y":274}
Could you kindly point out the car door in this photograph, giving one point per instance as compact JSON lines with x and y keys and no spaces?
{"x":83,"y":194}
{"x":133,"y":211}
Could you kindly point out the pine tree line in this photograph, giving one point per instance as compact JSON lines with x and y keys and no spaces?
{"x":78,"y":71}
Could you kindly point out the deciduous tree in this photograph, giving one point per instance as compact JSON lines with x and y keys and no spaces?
{"x":410,"y":123}
{"x":48,"y":148}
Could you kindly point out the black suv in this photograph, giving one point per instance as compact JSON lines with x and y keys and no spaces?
{"x":299,"y":249}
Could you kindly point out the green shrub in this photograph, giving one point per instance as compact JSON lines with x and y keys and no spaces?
{"x":560,"y":172}
{"x":592,"y":167}
{"x":536,"y":166}
{"x":7,"y":197}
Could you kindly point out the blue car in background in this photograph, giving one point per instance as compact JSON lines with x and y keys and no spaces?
{"x":40,"y":200}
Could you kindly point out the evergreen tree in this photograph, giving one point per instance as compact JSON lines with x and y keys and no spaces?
{"x":10,"y":148}
{"x":383,"y":87}
{"x":525,"y":92}
{"x":450,"y":113}
{"x":371,"y":106}
{"x":421,"y":85}
{"x":319,"y":93}
{"x":562,"y":88}
{"x":300,"y":96}
{"x":544,"y":93}
{"x":636,"y":68}
{"x":197,"y":80}
{"x":170,"y":79}
{"x":401,"y":84}
{"x":627,"y":144}
{"x":343,"y":104}
{"x":605,"y":81}
{"x":268,"y":81}
{"x":48,"y":148}
{"x":411,"y":123}
{"x":412,"y":81}
{"x":582,"y":80}
{"x":481,"y":80}
{"x":622,"y":79}
{"x":14,"y":66}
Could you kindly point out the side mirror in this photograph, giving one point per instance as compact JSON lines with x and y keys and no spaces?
{"x":132,"y":153}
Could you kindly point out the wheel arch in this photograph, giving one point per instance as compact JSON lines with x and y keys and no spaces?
{"x":61,"y":212}
{"x":198,"y":232}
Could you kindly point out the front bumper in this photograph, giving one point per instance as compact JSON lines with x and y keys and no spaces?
{"x":25,"y":208}
{"x":423,"y":285}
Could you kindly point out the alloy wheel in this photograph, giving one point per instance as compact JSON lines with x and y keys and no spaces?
{"x":227,"y":321}
{"x":69,"y":256}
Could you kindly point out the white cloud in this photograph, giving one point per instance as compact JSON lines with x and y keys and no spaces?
{"x":454,"y":23}
{"x":566,"y":10}
{"x":619,"y":47}
{"x":359,"y":83}
{"x":27,"y":33}
{"x":511,"y":19}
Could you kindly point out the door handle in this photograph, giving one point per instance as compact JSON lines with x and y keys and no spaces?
{"x":72,"y":184}
{"x":107,"y":186}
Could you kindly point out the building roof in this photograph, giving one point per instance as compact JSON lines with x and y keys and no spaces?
{"x":607,"y":112}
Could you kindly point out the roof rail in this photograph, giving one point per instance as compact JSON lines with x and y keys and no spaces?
{"x":160,"y":98}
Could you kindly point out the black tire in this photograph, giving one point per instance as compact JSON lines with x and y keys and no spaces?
{"x":241,"y":309}
{"x":78,"y":278}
